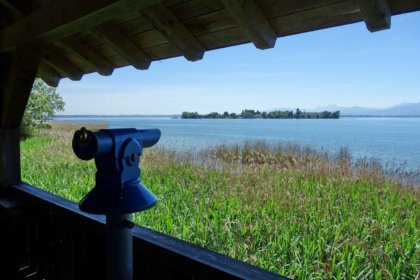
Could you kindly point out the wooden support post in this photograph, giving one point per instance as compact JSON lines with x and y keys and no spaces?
{"x":18,"y":70}
{"x":253,"y":22}
{"x":9,"y":160}
{"x":376,"y":13}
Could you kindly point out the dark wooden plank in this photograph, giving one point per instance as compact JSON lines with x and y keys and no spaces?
{"x":274,"y":9}
{"x":336,"y":14}
{"x":149,"y":39}
{"x":406,"y":6}
{"x":209,"y":23}
{"x":88,"y":55}
{"x":11,"y":232}
{"x":174,"y":31}
{"x":123,"y":45}
{"x":9,"y":157}
{"x":62,"y":65}
{"x":17,"y":83}
{"x":376,"y":13}
{"x":63,"y":18}
{"x":252,"y":20}
{"x":186,"y":10}
{"x":223,"y":38}
{"x":48,"y":74}
{"x":161,"y":250}
{"x":195,"y":8}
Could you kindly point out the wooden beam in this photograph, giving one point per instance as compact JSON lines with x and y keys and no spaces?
{"x":15,"y":93}
{"x":174,"y":31}
{"x":85,"y":53}
{"x":63,"y":18}
{"x":253,"y":22}
{"x":63,"y":66}
{"x":123,"y":45}
{"x":18,"y":70}
{"x":48,"y":74}
{"x":9,"y":157}
{"x":376,"y":13}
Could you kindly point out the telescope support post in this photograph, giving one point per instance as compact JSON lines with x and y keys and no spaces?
{"x":119,"y":247}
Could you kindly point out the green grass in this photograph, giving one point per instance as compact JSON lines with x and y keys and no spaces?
{"x":285,"y":209}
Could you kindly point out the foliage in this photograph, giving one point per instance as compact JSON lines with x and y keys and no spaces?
{"x":252,"y":114}
{"x":43,"y":103}
{"x":285,"y":209}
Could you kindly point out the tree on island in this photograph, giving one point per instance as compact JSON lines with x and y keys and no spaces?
{"x":252,"y":114}
{"x":298,"y":114}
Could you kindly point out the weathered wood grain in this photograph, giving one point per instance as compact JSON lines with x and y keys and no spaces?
{"x":62,"y":65}
{"x":88,"y":55}
{"x":174,"y":31}
{"x":376,"y":13}
{"x":48,"y":74}
{"x":63,"y":18}
{"x":252,"y":20}
{"x":123,"y":45}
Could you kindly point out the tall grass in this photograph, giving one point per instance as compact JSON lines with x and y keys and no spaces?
{"x":287,"y":209}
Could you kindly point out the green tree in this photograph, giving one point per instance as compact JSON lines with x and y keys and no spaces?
{"x":298,"y":114}
{"x":43,"y":103}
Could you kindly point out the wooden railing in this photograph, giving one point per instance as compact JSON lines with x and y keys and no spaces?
{"x":43,"y":236}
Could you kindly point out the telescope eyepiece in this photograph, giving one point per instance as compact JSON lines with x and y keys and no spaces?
{"x":88,"y":145}
{"x":82,"y":137}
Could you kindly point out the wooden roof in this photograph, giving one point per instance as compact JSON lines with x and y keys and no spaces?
{"x":85,"y":36}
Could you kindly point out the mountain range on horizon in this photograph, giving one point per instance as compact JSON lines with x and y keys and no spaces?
{"x":400,"y":110}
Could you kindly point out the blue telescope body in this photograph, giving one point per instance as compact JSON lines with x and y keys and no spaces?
{"x":117,"y":155}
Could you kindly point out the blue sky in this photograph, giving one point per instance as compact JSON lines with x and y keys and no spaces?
{"x":345,"y":66}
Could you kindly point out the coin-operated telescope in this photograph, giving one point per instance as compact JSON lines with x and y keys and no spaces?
{"x":117,"y":157}
{"x":118,"y":191}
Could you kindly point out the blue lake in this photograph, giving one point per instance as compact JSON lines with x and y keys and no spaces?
{"x":393,"y":141}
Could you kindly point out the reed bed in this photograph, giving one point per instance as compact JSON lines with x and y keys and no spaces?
{"x":285,"y":208}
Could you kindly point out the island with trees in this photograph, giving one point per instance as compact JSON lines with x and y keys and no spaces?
{"x":252,"y":114}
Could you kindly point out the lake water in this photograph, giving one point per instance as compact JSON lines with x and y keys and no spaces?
{"x":393,"y":141}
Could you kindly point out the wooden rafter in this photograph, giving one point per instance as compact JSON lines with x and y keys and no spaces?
{"x":174,"y":31}
{"x":123,"y":45}
{"x":86,"y":54}
{"x":63,"y":18}
{"x":376,"y":13}
{"x":253,"y":22}
{"x":63,"y":66}
{"x":48,"y":74}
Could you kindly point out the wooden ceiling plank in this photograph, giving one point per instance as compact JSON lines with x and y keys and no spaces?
{"x":376,"y":13}
{"x":123,"y":45}
{"x":253,"y":22}
{"x":174,"y":31}
{"x":63,"y":18}
{"x":88,"y":55}
{"x":63,"y":66}
{"x":48,"y":75}
{"x":323,"y":17}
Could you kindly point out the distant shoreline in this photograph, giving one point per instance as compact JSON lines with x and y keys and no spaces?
{"x":179,"y":116}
